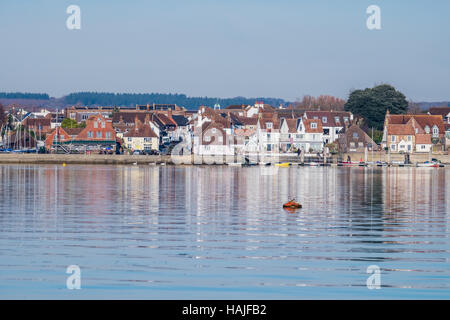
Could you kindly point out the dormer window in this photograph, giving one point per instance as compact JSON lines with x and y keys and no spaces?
{"x":345,"y":119}
{"x":427,"y":129}
{"x":435,"y":131}
{"x":269,"y":125}
{"x":355,"y":135}
{"x":336,"y":119}
{"x":313,"y":125}
{"x":213,"y":130}
{"x":324,"y":119}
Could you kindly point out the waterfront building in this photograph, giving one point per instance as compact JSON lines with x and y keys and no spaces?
{"x":97,"y":135}
{"x":400,"y":130}
{"x":332,"y":122}
{"x":212,"y":138}
{"x":268,"y":132}
{"x":309,"y":135}
{"x":141,"y":137}
{"x":354,"y":139}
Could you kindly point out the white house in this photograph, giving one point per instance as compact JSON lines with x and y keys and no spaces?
{"x":332,"y":122}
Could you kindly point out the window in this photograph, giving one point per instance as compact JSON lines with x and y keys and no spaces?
{"x":345,"y":119}
{"x":324,"y":119}
{"x":315,"y":117}
{"x":336,"y":119}
{"x":355,"y":135}
{"x":392,"y":146}
{"x":103,"y":124}
{"x":393,"y":138}
{"x":435,"y":132}
{"x":360,"y":144}
{"x":299,"y":136}
{"x":427,"y":129}
{"x":409,"y":138}
{"x":409,"y":147}
{"x":213,"y":130}
{"x":313,"y":125}
{"x":326,"y":131}
{"x":129,"y":146}
{"x":84,"y":116}
{"x":220,"y":139}
{"x":422,"y":147}
{"x":61,"y":137}
{"x":207,"y":138}
{"x":95,"y":124}
{"x":268,"y":136}
{"x":147,"y":139}
{"x":129,"y":139}
{"x":90,"y":134}
{"x":269,"y":125}
{"x":108,"y":135}
{"x":337,"y":131}
{"x":147,"y":147}
{"x":352,"y":145}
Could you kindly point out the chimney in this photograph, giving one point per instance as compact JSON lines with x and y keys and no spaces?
{"x":147,"y":119}
{"x":169,"y":113}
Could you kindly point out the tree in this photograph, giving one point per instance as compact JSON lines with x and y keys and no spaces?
{"x":372,"y":104}
{"x":322,"y":102}
{"x":414,"y":108}
{"x":70,"y":123}
{"x":3,"y":117}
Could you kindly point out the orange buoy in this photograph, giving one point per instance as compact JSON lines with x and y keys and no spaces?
{"x":292,"y":204}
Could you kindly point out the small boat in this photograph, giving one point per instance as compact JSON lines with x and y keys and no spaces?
{"x":314,"y":164}
{"x":292,"y":204}
{"x":235,"y":164}
{"x":429,"y":164}
{"x":284,"y":164}
{"x":349,"y":163}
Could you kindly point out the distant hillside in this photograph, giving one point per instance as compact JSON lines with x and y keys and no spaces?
{"x":428,"y":105}
{"x":35,"y":100}
{"x":132,"y":99}
{"x":21,"y":95}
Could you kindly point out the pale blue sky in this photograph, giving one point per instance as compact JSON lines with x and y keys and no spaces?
{"x":226,"y":48}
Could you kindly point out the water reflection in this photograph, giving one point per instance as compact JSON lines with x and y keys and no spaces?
{"x":222,"y":230}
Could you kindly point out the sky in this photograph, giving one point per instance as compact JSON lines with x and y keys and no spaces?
{"x":226,"y":48}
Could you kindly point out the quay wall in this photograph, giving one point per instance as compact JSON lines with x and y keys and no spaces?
{"x":190,"y":159}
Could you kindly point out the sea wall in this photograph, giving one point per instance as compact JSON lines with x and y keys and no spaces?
{"x":190,"y":159}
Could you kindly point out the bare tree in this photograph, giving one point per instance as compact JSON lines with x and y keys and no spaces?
{"x":413,"y":108}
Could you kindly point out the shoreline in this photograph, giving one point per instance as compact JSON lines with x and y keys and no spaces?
{"x":190,"y":159}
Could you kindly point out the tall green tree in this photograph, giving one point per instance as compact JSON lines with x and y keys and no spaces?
{"x":372,"y":104}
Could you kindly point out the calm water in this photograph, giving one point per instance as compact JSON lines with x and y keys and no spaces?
{"x":220,"y":232}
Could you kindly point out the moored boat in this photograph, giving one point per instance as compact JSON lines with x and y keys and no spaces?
{"x":429,"y":164}
{"x":284,"y":164}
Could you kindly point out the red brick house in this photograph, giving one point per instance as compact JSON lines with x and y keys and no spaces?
{"x":97,"y":134}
